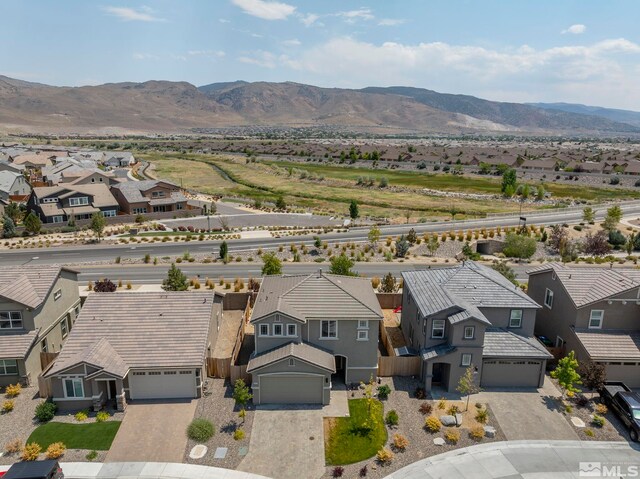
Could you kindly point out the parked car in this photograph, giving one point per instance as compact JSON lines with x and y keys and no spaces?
{"x":49,"y":469}
{"x":625,"y":403}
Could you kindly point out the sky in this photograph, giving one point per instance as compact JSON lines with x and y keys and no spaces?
{"x":576,"y":51}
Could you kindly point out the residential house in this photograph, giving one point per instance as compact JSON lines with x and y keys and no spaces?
{"x":13,"y":185}
{"x":65,"y":202}
{"x":310,"y":329}
{"x":546,"y":164}
{"x":149,"y":196}
{"x":7,"y":165}
{"x":3,"y":205}
{"x":470,"y":315}
{"x":34,"y":160}
{"x":592,"y":311}
{"x":129,"y":346}
{"x":38,"y":307}
{"x":118,"y":159}
{"x":89,"y":177}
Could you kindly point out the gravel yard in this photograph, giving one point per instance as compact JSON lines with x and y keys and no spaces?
{"x":612,"y":430}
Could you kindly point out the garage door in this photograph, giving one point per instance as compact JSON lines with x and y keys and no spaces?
{"x":628,"y":373}
{"x":510,"y":373}
{"x":290,"y":389}
{"x":162,"y":384}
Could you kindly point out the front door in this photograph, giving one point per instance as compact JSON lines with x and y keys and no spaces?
{"x":111,"y":390}
{"x":436,"y":379}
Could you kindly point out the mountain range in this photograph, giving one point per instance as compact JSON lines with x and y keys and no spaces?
{"x":163,"y":106}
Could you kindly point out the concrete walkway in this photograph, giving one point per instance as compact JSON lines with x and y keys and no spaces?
{"x":526,"y":460}
{"x":149,"y":470}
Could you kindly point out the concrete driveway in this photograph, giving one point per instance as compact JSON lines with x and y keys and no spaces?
{"x":529,"y":413}
{"x":153,"y":431}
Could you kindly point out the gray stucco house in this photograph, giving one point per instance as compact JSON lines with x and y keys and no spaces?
{"x":592,"y":311}
{"x":129,"y":346}
{"x":308,"y":330}
{"x":470,"y":315}
{"x":38,"y":307}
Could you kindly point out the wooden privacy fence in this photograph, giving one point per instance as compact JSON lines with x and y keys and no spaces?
{"x":46,"y":359}
{"x":218,"y":367}
{"x":240,"y":372}
{"x":225,"y":367}
{"x":44,"y":387}
{"x":399,"y":366}
{"x":386,"y":342}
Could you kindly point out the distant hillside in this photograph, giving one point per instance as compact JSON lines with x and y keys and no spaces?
{"x":622,"y":116}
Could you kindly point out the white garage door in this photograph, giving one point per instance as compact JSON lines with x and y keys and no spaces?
{"x":505,"y":373}
{"x":170,"y":384}
{"x":290,"y":389}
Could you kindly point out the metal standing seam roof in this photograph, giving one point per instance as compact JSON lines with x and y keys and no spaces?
{"x":146,"y":329}
{"x":317,"y":296}
{"x":16,"y":345}
{"x":29,"y":285}
{"x":611,"y":344}
{"x":589,"y":285}
{"x":500,"y":342}
{"x":302,"y":351}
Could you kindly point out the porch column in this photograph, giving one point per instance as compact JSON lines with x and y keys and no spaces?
{"x":428,"y":375}
{"x":121,"y":400}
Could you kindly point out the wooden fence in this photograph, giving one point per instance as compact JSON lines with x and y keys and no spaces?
{"x":399,"y":366}
{"x":240,"y":372}
{"x":46,"y":359}
{"x":386,"y":342}
{"x":44,"y":387}
{"x":224,"y":367}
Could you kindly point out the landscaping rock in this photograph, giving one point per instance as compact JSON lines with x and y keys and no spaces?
{"x":458,"y":419}
{"x":220,"y":453}
{"x":438,"y":441}
{"x":489,"y":431}
{"x":448,"y":420}
{"x":198,"y":452}
{"x":577,"y":422}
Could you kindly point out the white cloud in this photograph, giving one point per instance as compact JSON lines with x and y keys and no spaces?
{"x":260,"y":58}
{"x":143,"y":14}
{"x":391,"y":22}
{"x":309,"y":19}
{"x":353,"y":15}
{"x":294,"y":42}
{"x":206,"y":53}
{"x":576,"y":29}
{"x":224,"y":20}
{"x":145,"y":56}
{"x":265,"y":10}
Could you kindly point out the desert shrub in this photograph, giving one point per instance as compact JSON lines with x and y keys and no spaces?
{"x":568,"y":409}
{"x":452,"y":436}
{"x":400,"y":442}
{"x":453,"y":410}
{"x":363,"y":471}
{"x":391,"y":418}
{"x":102,"y":416}
{"x":31,"y":451}
{"x":8,"y":406}
{"x":337,"y":471}
{"x":602,"y":409}
{"x":426,"y":408}
{"x":476,"y":432}
{"x":375,"y":282}
{"x":200,"y":430}
{"x":91,"y":455}
{"x":383,"y":391}
{"x":589,"y":432}
{"x":420,"y":393}
{"x":45,"y":411}
{"x":442,"y":404}
{"x":81,"y":416}
{"x":597,"y":420}
{"x":432,"y":423}
{"x":384,"y":456}
{"x":238,"y":434}
{"x":13,"y":447}
{"x":482,"y":416}
{"x":13,"y":390}
{"x":55,"y":450}
{"x":582,"y":401}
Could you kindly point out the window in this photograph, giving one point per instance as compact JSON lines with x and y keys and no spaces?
{"x":437,"y":329}
{"x":138,"y":211}
{"x":157,"y":194}
{"x":44,"y":346}
{"x":515,"y":319}
{"x":80,"y":201}
{"x":466,"y":360}
{"x":109,"y":213}
{"x":170,"y":372}
{"x":264,"y":330}
{"x":277,"y":329}
{"x":469,"y":332}
{"x":10,"y":319}
{"x":179,"y":206}
{"x":363,"y":324}
{"x":292,"y":362}
{"x":8,"y":367}
{"x":155,"y":373}
{"x":595,"y":319}
{"x":363,"y":335}
{"x":49,"y":200}
{"x":77,"y":311}
{"x":548,"y":298}
{"x":57,"y":219}
{"x":57,"y":295}
{"x":64,"y":328}
{"x":139,"y":373}
{"x":329,"y":330}
{"x":292,"y":330}
{"x":186,"y":372}
{"x":73,"y":388}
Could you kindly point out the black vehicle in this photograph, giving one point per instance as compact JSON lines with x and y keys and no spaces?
{"x":625,"y":403}
{"x":49,"y":469}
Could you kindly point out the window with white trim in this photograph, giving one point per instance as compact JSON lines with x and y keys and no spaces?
{"x":64,"y":328}
{"x":277,"y":329}
{"x":466,"y":359}
{"x":73,"y":388}
{"x":79,"y":201}
{"x":8,"y":367}
{"x":328,"y":329}
{"x":437,"y":329}
{"x":10,"y":320}
{"x":57,"y":219}
{"x":292,"y":330}
{"x":363,"y":335}
{"x":595,"y":318}
{"x":292,"y":362}
{"x":469,"y":332}
{"x":548,"y":298}
{"x":515,"y":318}
{"x":264,"y":330}
{"x":57,"y":295}
{"x":44,"y":346}
{"x":363,"y":324}
{"x":109,"y":213}
{"x":138,"y":211}
{"x":157,"y":194}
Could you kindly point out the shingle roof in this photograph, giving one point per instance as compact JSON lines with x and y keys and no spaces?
{"x":317,"y":296}
{"x":132,"y":190}
{"x":610,"y":344}
{"x":28,"y":285}
{"x":302,"y":351}
{"x":588,"y":285}
{"x":147,"y":329}
{"x":499,"y":342}
{"x":16,"y":345}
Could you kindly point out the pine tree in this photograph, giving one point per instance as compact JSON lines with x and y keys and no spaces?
{"x":224,"y":250}
{"x":32,"y":223}
{"x":354,"y":210}
{"x":9,"y":228}
{"x":176,"y":280}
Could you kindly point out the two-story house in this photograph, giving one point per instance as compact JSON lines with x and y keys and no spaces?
{"x":592,"y":311}
{"x":308,"y":328}
{"x":13,"y":186}
{"x":470,"y":315}
{"x":68,"y":201}
{"x":38,"y":307}
{"x":149,"y":196}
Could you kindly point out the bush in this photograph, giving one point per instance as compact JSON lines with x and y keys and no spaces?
{"x":337,"y":471}
{"x":391,"y":418}
{"x":363,"y":471}
{"x":453,"y":410}
{"x":598,"y":421}
{"x":452,"y":436}
{"x":518,"y":246}
{"x":13,"y":447}
{"x":383,"y":391}
{"x":420,"y":393}
{"x":31,"y":451}
{"x":384,"y":456}
{"x":102,"y":416}
{"x":238,"y":434}
{"x":8,"y":406}
{"x":589,"y":432}
{"x":476,"y":432}
{"x":432,"y":423}
{"x":13,"y":390}
{"x":81,"y":416}
{"x":91,"y":455}
{"x":55,"y":450}
{"x":582,"y":401}
{"x":400,"y":442}
{"x":200,"y":430}
{"x":426,"y":408}
{"x":601,"y":409}
{"x":482,"y":416}
{"x":45,"y":411}
{"x":442,"y":404}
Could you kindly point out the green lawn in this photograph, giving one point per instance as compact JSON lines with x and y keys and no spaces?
{"x":96,"y":435}
{"x":349,"y":439}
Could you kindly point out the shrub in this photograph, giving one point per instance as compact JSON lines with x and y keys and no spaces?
{"x":363,"y":471}
{"x":598,"y":421}
{"x":420,"y":393}
{"x":482,"y":416}
{"x":426,"y":408}
{"x":442,"y":404}
{"x":238,"y":434}
{"x":476,"y":432}
{"x":432,"y":423}
{"x":102,"y":416}
{"x":568,"y":409}
{"x":391,"y":418}
{"x":13,"y":390}
{"x":13,"y":447}
{"x":453,"y":410}
{"x":589,"y":432}
{"x":55,"y":450}
{"x":81,"y":416}
{"x":602,"y":409}
{"x":337,"y":471}
{"x":400,"y":442}
{"x":582,"y":401}
{"x":45,"y":411}
{"x":452,"y":436}
{"x":200,"y":430}
{"x":31,"y":451}
{"x":384,"y":456}
{"x":8,"y":406}
{"x":383,"y":391}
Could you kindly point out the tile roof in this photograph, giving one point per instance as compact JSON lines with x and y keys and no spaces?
{"x":133,"y":190}
{"x":317,"y":296}
{"x":102,"y":355}
{"x":586,"y":285}
{"x":500,"y":342}
{"x":610,"y":344}
{"x":28,"y":285}
{"x":100,"y":193}
{"x":436,"y":351}
{"x":16,"y":345}
{"x":146,"y":329}
{"x":302,"y":351}
{"x":7,"y":179}
{"x":34,"y":159}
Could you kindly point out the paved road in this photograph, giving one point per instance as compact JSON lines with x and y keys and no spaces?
{"x":108,"y":252}
{"x":243,"y":219}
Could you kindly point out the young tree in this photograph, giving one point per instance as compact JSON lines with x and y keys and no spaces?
{"x":467,"y":384}
{"x":557,"y":237}
{"x":280,"y":203}
{"x":175,"y":280}
{"x":540,"y":192}
{"x":354,"y":210}
{"x":509,"y":181}
{"x":271,"y":264}
{"x":241,"y":395}
{"x":224,"y":250}
{"x":593,"y":375}
{"x":342,"y":265}
{"x":433,"y":244}
{"x":596,"y":244}
{"x":104,"y":286}
{"x":13,"y":211}
{"x":588,"y":215}
{"x":402,"y":247}
{"x":567,"y":374}
{"x":518,"y":246}
{"x":98,"y":222}
{"x":630,"y":245}
{"x":8,"y":228}
{"x":505,"y":270}
{"x":412,"y":237}
{"x":388,"y":284}
{"x":453,"y":211}
{"x":374,"y":235}
{"x":614,"y":215}
{"x":32,"y":224}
